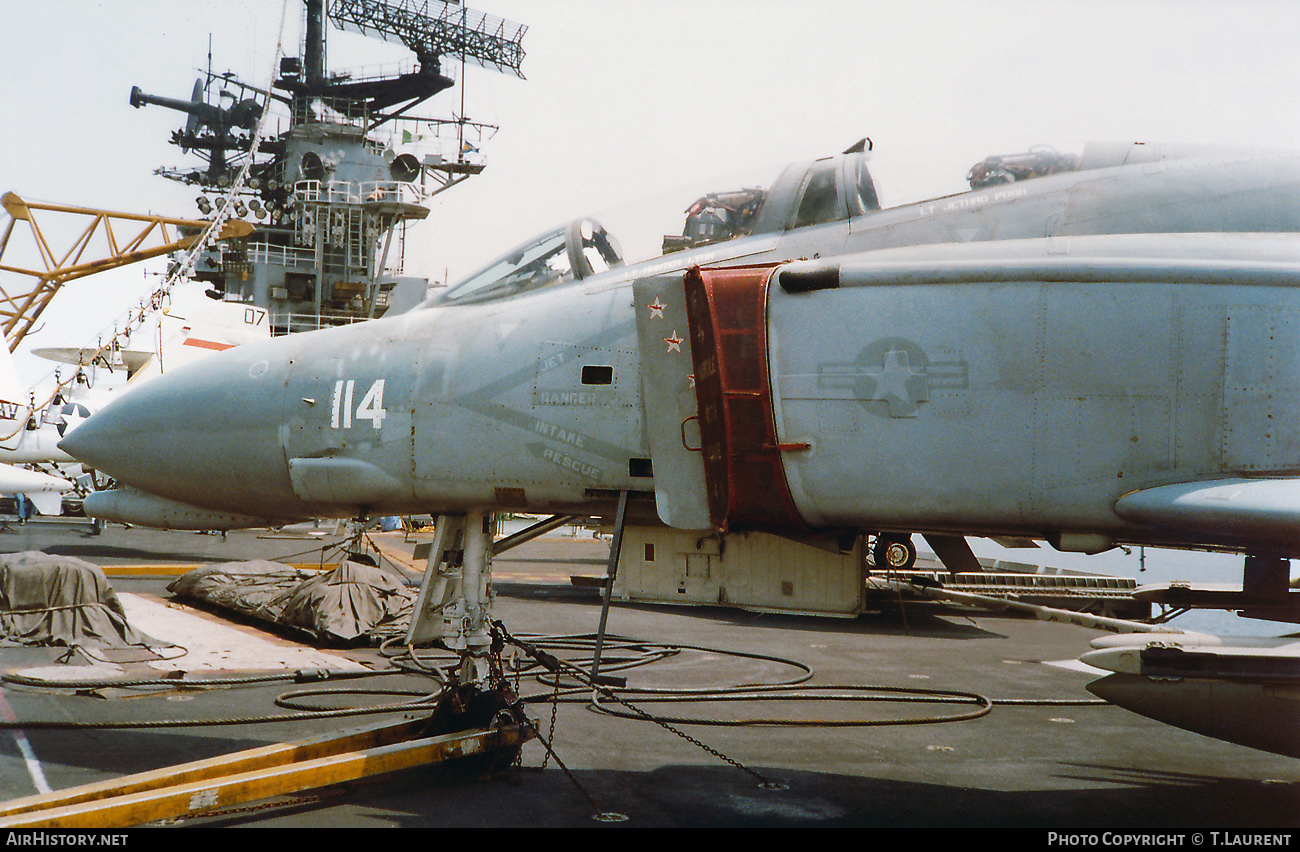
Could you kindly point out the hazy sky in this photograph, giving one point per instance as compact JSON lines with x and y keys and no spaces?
{"x":625,"y":97}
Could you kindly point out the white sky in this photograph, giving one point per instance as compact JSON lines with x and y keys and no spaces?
{"x":625,"y":97}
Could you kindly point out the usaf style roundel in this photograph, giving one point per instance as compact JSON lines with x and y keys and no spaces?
{"x":891,"y":378}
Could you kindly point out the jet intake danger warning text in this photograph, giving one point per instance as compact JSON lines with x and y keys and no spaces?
{"x":1195,"y":838}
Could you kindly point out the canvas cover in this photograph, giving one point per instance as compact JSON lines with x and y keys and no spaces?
{"x":350,"y":604}
{"x":47,"y":599}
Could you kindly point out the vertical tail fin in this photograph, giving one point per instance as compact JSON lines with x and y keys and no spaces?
{"x":210,"y":327}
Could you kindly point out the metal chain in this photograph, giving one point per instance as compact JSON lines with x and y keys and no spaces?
{"x":586,"y":679}
{"x":555,"y":712}
{"x":500,"y":636}
{"x":550,"y":752}
{"x":758,"y":776}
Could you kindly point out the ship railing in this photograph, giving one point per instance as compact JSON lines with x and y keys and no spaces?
{"x":340,"y":111}
{"x":350,"y":192}
{"x":307,"y":190}
{"x":285,"y":322}
{"x":390,"y":190}
{"x":332,"y":192}
{"x":392,"y":70}
{"x":287,"y":256}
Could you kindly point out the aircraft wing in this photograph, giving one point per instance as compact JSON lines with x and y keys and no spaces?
{"x":1258,"y":510}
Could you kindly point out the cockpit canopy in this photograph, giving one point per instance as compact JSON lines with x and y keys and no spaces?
{"x":577,"y":250}
{"x":827,"y":190}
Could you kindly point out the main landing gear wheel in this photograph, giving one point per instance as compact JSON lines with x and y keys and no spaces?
{"x":894,"y":552}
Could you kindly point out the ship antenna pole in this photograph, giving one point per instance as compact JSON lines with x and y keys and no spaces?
{"x":460,"y":124}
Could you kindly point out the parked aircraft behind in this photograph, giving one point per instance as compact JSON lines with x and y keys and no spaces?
{"x":191,"y":327}
{"x":43,"y":490}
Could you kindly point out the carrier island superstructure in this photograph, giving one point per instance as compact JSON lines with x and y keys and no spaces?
{"x":332,"y":195}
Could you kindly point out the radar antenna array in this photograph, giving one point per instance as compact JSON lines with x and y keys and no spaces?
{"x":434,"y":29}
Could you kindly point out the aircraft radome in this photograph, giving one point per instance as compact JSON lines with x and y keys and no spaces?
{"x":1091,"y":349}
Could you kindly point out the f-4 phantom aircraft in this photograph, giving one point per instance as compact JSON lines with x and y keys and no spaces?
{"x":1102,"y":353}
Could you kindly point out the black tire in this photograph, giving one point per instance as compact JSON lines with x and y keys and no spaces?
{"x":894,"y":552}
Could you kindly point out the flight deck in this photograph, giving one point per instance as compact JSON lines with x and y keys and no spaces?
{"x":847,"y":746}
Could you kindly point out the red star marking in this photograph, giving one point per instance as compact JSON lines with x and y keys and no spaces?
{"x":674,"y":342}
{"x":657,"y":309}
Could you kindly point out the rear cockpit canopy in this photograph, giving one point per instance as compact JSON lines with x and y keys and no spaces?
{"x":826,"y":190}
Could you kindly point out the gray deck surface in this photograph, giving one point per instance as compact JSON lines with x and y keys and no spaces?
{"x":1040,"y":764}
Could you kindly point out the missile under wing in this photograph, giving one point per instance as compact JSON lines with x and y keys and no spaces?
{"x":1240,"y":689}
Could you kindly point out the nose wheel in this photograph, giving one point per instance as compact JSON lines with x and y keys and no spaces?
{"x":893,"y":552}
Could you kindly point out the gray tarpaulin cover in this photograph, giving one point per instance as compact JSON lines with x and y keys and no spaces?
{"x":61,"y":600}
{"x":349,"y":604}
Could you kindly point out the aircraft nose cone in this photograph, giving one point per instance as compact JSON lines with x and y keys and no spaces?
{"x":204,"y":434}
{"x":86,"y":448}
{"x":116,"y":437}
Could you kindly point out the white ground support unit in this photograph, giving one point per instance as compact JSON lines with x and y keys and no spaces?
{"x":751,"y":570}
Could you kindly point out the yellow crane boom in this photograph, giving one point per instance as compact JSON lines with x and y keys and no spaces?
{"x":118,"y":239}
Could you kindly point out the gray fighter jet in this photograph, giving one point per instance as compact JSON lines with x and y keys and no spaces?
{"x":1096,"y":352}
{"x":1007,"y":387}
